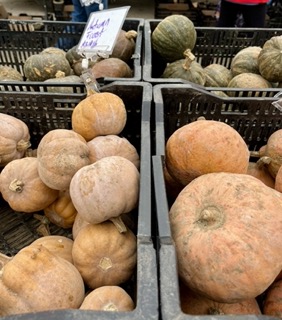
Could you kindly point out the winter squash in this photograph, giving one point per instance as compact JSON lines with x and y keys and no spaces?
{"x":61,"y":212}
{"x":29,"y":281}
{"x":78,"y":224}
{"x":10,"y":74}
{"x":272,"y":305}
{"x":58,"y":245}
{"x":248,"y":81}
{"x":45,"y":65}
{"x":212,"y":210}
{"x":187,"y":69}
{"x":270,"y":59}
{"x":173,"y":36}
{"x":259,"y":170}
{"x":188,"y":149}
{"x":111,"y":68}
{"x":108,"y":298}
{"x":60,"y":154}
{"x":14,"y":138}
{"x":105,"y":189}
{"x":124,"y":47}
{"x":246,"y":61}
{"x":61,"y":78}
{"x":112,"y":145}
{"x":217,"y":75}
{"x":99,"y":114}
{"x":196,"y":304}
{"x":22,"y":187}
{"x":103,"y":255}
{"x":278,"y":180}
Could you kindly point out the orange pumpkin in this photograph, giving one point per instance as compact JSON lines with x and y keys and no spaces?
{"x":259,"y":170}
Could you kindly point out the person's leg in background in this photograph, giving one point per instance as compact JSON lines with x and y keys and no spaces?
{"x":228,"y":14}
{"x":79,"y":13}
{"x":254,"y":15}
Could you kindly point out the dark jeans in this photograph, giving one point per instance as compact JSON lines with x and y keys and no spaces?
{"x":82,"y":13}
{"x":253,"y":15}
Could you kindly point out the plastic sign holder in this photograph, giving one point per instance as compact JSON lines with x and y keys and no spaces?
{"x":100,"y":33}
{"x":278,"y":104}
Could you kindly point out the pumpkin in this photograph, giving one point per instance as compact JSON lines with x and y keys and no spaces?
{"x":108,"y":298}
{"x":99,"y":114}
{"x":14,"y":138}
{"x":259,"y":170}
{"x":112,"y":145}
{"x":78,"y":224}
{"x":58,"y":245}
{"x":232,"y":215}
{"x":217,"y":75}
{"x":173,"y":36}
{"x":45,"y":65}
{"x":246,"y":61}
{"x":187,"y":69}
{"x":278,"y":180}
{"x":10,"y":74}
{"x":22,"y":187}
{"x":124,"y":47}
{"x":188,"y":149}
{"x":33,"y":277}
{"x":248,"y":81}
{"x":103,"y":255}
{"x":60,"y":154}
{"x":61,"y":212}
{"x":196,"y":304}
{"x":105,"y":189}
{"x":61,"y":78}
{"x":111,"y":68}
{"x":272,"y":305}
{"x":270,"y":59}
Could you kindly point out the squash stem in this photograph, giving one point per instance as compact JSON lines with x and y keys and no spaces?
{"x":117,"y":221}
{"x":189,"y":58}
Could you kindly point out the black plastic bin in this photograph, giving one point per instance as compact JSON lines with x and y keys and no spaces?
{"x":43,"y":112}
{"x":20,"y":39}
{"x":213,"y":45}
{"x":176,"y":105}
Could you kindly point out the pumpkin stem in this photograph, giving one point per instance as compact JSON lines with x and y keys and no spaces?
{"x":31,"y":153}
{"x":189,"y":58}
{"x":255,"y":154}
{"x":263,"y":161}
{"x":131,"y":34}
{"x":43,"y":228}
{"x":210,"y":218}
{"x":16,"y":186}
{"x":4,"y":260}
{"x":117,"y":221}
{"x":23,"y":145}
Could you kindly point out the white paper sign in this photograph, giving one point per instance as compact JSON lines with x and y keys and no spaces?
{"x":101,"y":31}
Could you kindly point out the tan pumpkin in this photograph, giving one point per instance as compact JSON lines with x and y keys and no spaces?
{"x":196,"y":304}
{"x":60,"y":154}
{"x":58,"y":245}
{"x":105,"y":189}
{"x":99,"y":114}
{"x":272,"y":305}
{"x":112,"y":145}
{"x":108,"y":298}
{"x":22,"y":187}
{"x":218,"y":223}
{"x":111,"y":68}
{"x":78,"y":224}
{"x":33,"y":277}
{"x":190,"y":154}
{"x":14,"y":138}
{"x":61,"y":212}
{"x":124,"y":47}
{"x":259,"y":170}
{"x":103,"y":255}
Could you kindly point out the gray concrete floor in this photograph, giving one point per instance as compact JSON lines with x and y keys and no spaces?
{"x":138,"y":8}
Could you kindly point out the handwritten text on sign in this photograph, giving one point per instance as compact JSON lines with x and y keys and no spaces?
{"x":101,"y":31}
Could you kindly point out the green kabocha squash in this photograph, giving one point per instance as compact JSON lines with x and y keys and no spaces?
{"x":172,"y":36}
{"x":45,"y":65}
{"x":246,"y":61}
{"x":61,"y":78}
{"x":187,"y":69}
{"x":217,"y":75}
{"x":270,"y":59}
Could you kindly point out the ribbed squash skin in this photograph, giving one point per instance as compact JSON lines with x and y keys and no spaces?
{"x":172,"y":36}
{"x":217,"y":75}
{"x":270,"y":59}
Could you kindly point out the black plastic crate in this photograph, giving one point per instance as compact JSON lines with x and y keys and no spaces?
{"x":43,"y":112}
{"x":213,"y":45}
{"x":176,"y":105}
{"x":20,"y":39}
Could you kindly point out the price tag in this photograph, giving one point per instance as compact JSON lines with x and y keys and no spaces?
{"x":101,"y":31}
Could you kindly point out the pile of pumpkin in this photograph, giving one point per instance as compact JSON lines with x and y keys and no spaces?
{"x":252,"y":67}
{"x":86,"y":180}
{"x":226,"y":219}
{"x":55,"y":65}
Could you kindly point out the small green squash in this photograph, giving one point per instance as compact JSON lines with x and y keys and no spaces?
{"x":217,"y":75}
{"x":173,"y":36}
{"x":270,"y":59}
